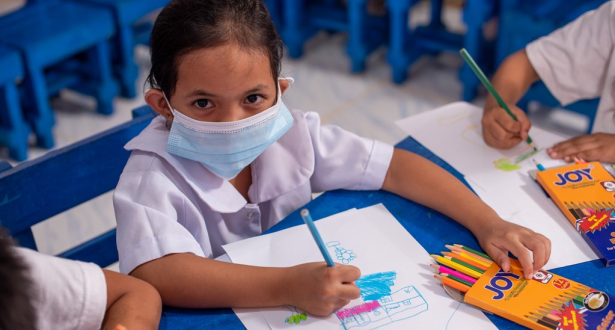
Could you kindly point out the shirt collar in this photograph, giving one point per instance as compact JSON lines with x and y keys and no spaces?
{"x":282,"y":167}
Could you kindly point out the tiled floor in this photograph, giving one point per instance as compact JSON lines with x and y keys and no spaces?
{"x":367,"y":104}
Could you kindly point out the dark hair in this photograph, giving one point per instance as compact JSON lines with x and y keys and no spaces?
{"x":15,"y":289}
{"x":187,"y":25}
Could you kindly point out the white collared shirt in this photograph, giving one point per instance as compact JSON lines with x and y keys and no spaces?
{"x":577,"y":62}
{"x":66,"y":294}
{"x":166,"y":204}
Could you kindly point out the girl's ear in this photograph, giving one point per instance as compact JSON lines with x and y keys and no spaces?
{"x":284,"y":84}
{"x":155,"y":99}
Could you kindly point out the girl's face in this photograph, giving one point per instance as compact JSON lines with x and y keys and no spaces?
{"x":220,"y":84}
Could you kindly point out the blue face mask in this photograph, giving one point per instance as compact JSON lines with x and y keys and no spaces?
{"x":227,"y":148}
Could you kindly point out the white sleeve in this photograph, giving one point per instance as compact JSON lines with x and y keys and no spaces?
{"x":149,"y":209}
{"x":344,"y":160}
{"x":67,"y":294}
{"x":572,"y":61}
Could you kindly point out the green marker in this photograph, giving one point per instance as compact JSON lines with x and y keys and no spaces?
{"x":481,"y":76}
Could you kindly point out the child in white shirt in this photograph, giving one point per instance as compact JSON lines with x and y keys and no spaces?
{"x":226,"y":160}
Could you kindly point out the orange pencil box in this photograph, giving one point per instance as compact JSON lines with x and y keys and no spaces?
{"x":585,"y":193}
{"x":547,"y":301}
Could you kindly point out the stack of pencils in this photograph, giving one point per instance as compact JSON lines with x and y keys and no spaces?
{"x":549,"y":314}
{"x":460,"y":267}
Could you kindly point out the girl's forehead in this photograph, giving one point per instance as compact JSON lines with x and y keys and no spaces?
{"x":223,"y":69}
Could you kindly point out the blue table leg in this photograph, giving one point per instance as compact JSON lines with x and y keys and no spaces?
{"x":357,"y":48}
{"x":104,"y":87}
{"x":398,"y":20}
{"x":15,"y":132}
{"x":293,"y":32}
{"x":37,"y":110}
{"x":126,"y":69}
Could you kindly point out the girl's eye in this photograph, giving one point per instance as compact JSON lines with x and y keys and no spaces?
{"x":202,"y":103}
{"x":254,"y":99}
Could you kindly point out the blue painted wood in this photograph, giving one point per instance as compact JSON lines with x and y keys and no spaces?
{"x":4,"y":165}
{"x":127,"y":13}
{"x":47,"y":33}
{"x":407,"y":46}
{"x":14,"y":130}
{"x":41,"y":188}
{"x":302,"y":19}
{"x":521,"y":22}
{"x":431,"y":229}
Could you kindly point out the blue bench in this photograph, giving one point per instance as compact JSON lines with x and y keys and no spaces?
{"x":13,"y":128}
{"x":63,"y":45}
{"x":302,"y":19}
{"x":523,"y":21}
{"x":36,"y":190}
{"x":127,"y":15}
{"x":407,"y":46}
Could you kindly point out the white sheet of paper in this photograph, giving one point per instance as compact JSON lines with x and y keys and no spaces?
{"x":453,"y":132}
{"x":379,"y":245}
{"x":528,"y":205}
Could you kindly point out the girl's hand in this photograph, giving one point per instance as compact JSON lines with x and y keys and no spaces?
{"x":594,"y":147}
{"x":500,"y":130}
{"x":320,"y":290}
{"x":502,"y":237}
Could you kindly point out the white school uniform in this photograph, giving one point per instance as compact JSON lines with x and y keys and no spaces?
{"x":166,"y":204}
{"x":577,"y":62}
{"x":67,"y":294}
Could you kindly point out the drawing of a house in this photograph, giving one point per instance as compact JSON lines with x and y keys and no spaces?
{"x":399,"y":305}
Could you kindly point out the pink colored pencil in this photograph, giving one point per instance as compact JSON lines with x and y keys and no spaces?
{"x":446,"y":270}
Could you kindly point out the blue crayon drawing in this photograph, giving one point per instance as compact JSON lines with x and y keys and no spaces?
{"x":341,"y":254}
{"x":382,"y":306}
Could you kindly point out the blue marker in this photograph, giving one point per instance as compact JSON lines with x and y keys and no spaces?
{"x":305,"y":214}
{"x":540,"y":167}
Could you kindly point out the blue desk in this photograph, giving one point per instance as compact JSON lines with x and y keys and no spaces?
{"x":431,"y":229}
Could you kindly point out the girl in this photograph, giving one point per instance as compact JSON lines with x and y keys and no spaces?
{"x":226,"y":160}
{"x":575,"y":62}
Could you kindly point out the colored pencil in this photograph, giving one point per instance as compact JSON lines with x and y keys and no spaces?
{"x":541,"y":322}
{"x":446,"y":270}
{"x":460,"y":250}
{"x":583,"y":210}
{"x":457,"y":279}
{"x":572,"y":211}
{"x":471,"y":257}
{"x":305,"y":214}
{"x":589,"y":208}
{"x":466,"y":260}
{"x":595,"y":207}
{"x":463,"y":263}
{"x":538,"y":165}
{"x":453,"y":284}
{"x":474,"y":251}
{"x":456,"y":266}
{"x":481,"y":76}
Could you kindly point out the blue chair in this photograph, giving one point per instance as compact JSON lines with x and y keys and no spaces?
{"x":302,"y":19}
{"x":275,"y":11}
{"x":406,"y":46}
{"x":13,"y":128}
{"x":63,"y":45}
{"x":523,"y":21}
{"x":127,"y":14}
{"x":36,"y":190}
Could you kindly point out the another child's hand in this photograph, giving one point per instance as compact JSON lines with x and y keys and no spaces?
{"x":500,"y":130}
{"x":594,"y":147}
{"x":503,"y":237}
{"x":320,"y":290}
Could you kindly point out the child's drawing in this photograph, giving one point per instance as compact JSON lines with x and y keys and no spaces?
{"x":382,"y":306}
{"x":343,"y":255}
{"x":295,"y":317}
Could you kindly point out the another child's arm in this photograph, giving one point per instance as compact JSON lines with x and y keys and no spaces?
{"x":593,"y":147}
{"x":512,"y":80}
{"x":130,"y":302}
{"x":418,"y":179}
{"x":186,"y":280}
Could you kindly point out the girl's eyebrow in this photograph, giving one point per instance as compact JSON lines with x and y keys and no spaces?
{"x":200,"y":92}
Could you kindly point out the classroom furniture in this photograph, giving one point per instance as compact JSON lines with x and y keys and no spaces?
{"x":36,"y":190}
{"x":304,"y":18}
{"x":431,"y":229}
{"x":407,"y":46}
{"x":131,"y":30}
{"x":14,"y":130}
{"x":63,"y":45}
{"x":523,"y":21}
{"x":275,"y":11}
